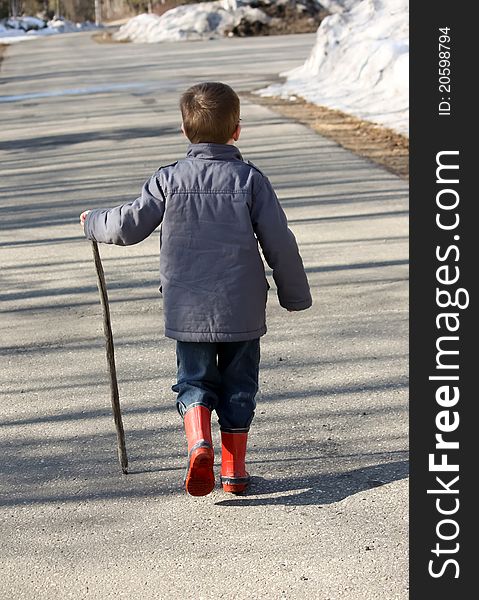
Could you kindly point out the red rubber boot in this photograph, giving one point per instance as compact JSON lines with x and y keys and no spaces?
{"x":234,"y":477}
{"x":200,"y":478}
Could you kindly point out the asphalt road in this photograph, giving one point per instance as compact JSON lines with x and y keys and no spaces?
{"x":84,"y":125}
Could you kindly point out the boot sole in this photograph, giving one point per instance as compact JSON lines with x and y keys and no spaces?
{"x":232,"y":487}
{"x":200,"y":478}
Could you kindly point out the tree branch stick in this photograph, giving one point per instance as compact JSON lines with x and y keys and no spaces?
{"x":110,"y":357}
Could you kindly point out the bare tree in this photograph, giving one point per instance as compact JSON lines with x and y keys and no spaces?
{"x":15,"y":8}
{"x":97,"y":12}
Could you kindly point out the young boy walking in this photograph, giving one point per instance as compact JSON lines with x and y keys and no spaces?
{"x":214,"y":208}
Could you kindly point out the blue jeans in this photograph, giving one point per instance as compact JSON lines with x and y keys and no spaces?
{"x":223,"y":376}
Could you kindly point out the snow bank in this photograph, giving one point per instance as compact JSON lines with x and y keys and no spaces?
{"x":206,"y":20}
{"x":24,"y":23}
{"x":359,"y":64}
{"x":64,"y":26}
{"x":28,"y":28}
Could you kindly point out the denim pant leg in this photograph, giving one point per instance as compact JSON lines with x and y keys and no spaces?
{"x":238,"y":365}
{"x":198,"y":379}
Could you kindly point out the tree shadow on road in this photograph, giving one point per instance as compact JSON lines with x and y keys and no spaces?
{"x":318,"y":489}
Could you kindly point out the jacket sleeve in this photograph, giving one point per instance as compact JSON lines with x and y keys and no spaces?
{"x":280,"y":248}
{"x":129,"y":223}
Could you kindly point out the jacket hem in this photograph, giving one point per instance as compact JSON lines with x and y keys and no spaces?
{"x":214,"y":336}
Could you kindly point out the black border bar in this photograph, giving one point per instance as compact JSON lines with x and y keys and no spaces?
{"x":444,"y":333}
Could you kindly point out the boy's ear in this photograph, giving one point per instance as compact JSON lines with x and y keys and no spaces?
{"x":183,"y":130}
{"x":237,"y":132}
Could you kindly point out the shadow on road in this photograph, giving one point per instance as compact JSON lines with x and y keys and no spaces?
{"x":319,"y":489}
{"x":33,"y":144}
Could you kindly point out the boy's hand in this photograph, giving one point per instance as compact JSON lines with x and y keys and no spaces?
{"x":83,"y":217}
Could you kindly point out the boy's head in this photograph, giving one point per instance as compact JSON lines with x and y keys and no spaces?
{"x":211,"y":113}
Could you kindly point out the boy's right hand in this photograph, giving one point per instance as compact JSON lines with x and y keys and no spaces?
{"x":83,"y":217}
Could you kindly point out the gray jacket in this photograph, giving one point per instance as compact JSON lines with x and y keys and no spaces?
{"x":213,"y":208}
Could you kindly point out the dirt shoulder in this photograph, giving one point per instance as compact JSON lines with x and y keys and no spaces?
{"x":379,"y":144}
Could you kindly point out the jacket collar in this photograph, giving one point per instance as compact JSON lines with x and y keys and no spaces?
{"x":214,"y":151}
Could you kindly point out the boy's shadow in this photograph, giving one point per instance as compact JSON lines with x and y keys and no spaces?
{"x":318,"y":489}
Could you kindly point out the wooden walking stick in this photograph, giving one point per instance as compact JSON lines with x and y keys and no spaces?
{"x":110,"y":357}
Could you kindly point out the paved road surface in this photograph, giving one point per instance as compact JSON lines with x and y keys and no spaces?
{"x":83,"y":125}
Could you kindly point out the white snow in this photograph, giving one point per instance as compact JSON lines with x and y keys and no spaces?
{"x":25,"y":23}
{"x":206,"y":20}
{"x":10,"y":36}
{"x":359,"y":64}
{"x":334,"y":6}
{"x":28,"y":28}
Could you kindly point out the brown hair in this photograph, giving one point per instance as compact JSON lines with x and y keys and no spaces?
{"x":210,"y":111}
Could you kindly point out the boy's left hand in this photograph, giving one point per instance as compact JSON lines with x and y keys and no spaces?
{"x":83,"y":217}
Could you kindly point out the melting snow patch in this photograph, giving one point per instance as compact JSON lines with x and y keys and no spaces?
{"x":27,"y":28}
{"x":359,"y":64}
{"x":206,"y":20}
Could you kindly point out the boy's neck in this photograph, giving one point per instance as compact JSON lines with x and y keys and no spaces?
{"x":228,"y":143}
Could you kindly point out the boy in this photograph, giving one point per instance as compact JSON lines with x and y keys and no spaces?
{"x":213,"y":208}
